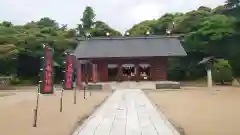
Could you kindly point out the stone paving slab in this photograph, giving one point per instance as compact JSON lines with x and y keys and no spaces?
{"x":127,"y":112}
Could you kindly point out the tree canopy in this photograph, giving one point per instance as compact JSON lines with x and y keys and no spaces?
{"x":88,"y":18}
{"x":26,"y":40}
{"x":206,"y":32}
{"x":233,"y":3}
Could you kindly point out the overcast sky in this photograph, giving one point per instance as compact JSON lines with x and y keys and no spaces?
{"x":119,"y":14}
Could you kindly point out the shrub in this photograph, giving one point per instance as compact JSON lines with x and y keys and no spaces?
{"x":18,"y":81}
{"x":15,"y":81}
{"x":222,"y":72}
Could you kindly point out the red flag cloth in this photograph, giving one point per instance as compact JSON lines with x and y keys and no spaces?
{"x":48,"y":79}
{"x":69,"y":72}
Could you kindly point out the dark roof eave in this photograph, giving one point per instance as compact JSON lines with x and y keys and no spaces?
{"x":134,"y":37}
{"x":117,"y":47}
{"x":85,"y":58}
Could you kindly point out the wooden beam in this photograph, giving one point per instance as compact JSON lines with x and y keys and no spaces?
{"x":119,"y":72}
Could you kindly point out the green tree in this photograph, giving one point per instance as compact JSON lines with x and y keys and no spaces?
{"x":97,"y":28}
{"x":80,"y":30}
{"x":100,"y":29}
{"x":88,"y":18}
{"x":217,"y":27}
{"x":190,"y":21}
{"x":220,"y":9}
{"x":47,"y":22}
{"x":207,"y":32}
{"x":211,"y":36}
{"x":205,"y":8}
{"x":25,"y":41}
{"x":6,"y":24}
{"x":233,"y":3}
{"x":142,"y":28}
{"x":222,"y":72}
{"x":8,"y":55}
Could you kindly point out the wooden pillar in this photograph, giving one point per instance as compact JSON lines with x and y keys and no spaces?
{"x":119,"y":72}
{"x":94,"y":73}
{"x":165,"y":69}
{"x":209,"y":75}
{"x":102,"y":68}
{"x":154,"y":71}
{"x":79,"y":74}
{"x":137,"y":72}
{"x":159,"y":69}
{"x":86,"y":73}
{"x":150,"y":72}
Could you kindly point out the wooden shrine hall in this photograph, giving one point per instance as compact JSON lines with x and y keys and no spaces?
{"x":128,"y":58}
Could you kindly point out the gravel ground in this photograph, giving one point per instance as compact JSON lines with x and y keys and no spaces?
{"x":16,"y":112}
{"x":198,"y":111}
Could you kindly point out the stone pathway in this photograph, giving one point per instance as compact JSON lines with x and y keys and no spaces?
{"x":127,"y":112}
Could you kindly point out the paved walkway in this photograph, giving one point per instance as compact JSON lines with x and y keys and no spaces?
{"x":127,"y":112}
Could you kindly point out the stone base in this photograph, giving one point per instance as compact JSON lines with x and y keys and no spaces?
{"x":95,"y":87}
{"x":5,"y":87}
{"x":168,"y":85}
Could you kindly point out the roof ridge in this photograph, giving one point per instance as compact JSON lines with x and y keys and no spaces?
{"x":150,"y":46}
{"x":134,"y":37}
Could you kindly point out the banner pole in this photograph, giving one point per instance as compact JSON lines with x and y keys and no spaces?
{"x":61,"y":98}
{"x":75,"y":67}
{"x":75,"y":95}
{"x":45,"y":85}
{"x":85,"y":80}
{"x":84,"y":92}
{"x":36,"y":108}
{"x":61,"y":101}
{"x":63,"y":82}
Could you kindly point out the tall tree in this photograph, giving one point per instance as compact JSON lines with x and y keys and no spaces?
{"x":88,"y":18}
{"x":6,"y":24}
{"x":233,"y":3}
{"x":190,"y":21}
{"x":101,"y":28}
{"x":47,"y":22}
{"x":220,"y":9}
{"x":205,"y":8}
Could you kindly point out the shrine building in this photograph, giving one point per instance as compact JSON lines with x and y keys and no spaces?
{"x":128,"y":58}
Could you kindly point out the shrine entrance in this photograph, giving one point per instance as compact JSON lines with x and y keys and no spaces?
{"x":144,"y":71}
{"x":113,"y":72}
{"x":128,"y":71}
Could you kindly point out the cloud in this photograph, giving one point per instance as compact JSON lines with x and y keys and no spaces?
{"x":119,"y":14}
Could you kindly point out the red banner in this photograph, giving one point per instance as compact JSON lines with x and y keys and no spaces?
{"x":46,"y":86}
{"x":69,"y":71}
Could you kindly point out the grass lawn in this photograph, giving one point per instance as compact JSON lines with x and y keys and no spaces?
{"x":16,"y":112}
{"x":199,"y":112}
